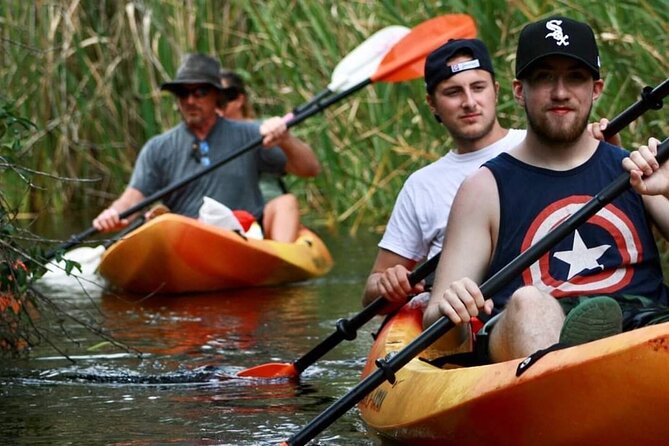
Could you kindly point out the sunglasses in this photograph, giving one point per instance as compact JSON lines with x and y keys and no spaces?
{"x":200,"y":152}
{"x":196,"y":92}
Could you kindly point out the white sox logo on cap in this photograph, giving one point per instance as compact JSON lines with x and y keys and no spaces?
{"x":556,"y":32}
{"x":556,"y":36}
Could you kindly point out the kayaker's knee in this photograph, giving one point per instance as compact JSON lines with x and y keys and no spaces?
{"x":531,"y":320}
{"x":528,"y":300}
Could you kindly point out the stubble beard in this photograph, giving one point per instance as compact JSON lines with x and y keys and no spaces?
{"x":472,"y":135}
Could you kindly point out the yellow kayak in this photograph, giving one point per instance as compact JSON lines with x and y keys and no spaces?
{"x":614,"y":391}
{"x":176,"y":254}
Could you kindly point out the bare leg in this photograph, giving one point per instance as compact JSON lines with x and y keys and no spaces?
{"x":281,"y":220}
{"x":531,"y":321}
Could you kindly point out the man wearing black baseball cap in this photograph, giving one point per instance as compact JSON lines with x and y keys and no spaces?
{"x":557,"y":36}
{"x":462,"y":94}
{"x":204,"y":138}
{"x":575,"y":292}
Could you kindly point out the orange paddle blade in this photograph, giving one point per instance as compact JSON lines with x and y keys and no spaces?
{"x":406,"y":60}
{"x":270,"y":370}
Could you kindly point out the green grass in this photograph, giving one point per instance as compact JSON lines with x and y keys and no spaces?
{"x":87,"y":74}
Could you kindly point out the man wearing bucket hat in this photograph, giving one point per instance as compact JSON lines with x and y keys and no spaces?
{"x":203,"y":138}
{"x":602,"y":279}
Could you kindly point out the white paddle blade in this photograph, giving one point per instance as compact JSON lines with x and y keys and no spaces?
{"x":361,"y":63}
{"x":88,"y":258}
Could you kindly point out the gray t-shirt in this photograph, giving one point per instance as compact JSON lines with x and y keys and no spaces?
{"x":168,"y":158}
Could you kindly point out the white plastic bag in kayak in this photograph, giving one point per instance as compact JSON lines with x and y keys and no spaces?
{"x":217,"y":214}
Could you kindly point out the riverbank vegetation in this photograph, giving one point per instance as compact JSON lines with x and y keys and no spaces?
{"x":87,"y":73}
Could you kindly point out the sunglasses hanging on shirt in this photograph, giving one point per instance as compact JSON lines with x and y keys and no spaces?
{"x":200,"y":152}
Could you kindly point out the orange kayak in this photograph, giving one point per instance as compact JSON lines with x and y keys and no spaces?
{"x":613,"y":391}
{"x":176,"y":254}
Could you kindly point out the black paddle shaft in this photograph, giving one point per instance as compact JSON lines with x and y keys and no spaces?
{"x":347,"y":328}
{"x":314,"y":108}
{"x":387,"y":367}
{"x":651,"y":99}
{"x":317,"y":98}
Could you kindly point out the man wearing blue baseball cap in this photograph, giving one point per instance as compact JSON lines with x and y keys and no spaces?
{"x":462,"y":94}
{"x":606,"y":276}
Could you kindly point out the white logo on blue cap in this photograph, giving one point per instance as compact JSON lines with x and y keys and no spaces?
{"x":462,"y":66}
{"x":556,"y":32}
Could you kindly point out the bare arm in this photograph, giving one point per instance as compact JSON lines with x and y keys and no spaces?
{"x":302,"y":160}
{"x":468,"y":247}
{"x":108,"y":220}
{"x":390,"y":278}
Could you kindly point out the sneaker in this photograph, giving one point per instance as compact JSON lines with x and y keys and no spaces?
{"x":592,"y":319}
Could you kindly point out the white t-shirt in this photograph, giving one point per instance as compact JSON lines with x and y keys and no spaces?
{"x":416,"y":227}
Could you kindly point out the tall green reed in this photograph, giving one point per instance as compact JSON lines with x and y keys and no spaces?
{"x":87,"y":73}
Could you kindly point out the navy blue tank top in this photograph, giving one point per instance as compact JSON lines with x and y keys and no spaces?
{"x":613,"y":253}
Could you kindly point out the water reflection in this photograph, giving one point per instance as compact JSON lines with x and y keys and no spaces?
{"x":223,"y":324}
{"x":177,"y":384}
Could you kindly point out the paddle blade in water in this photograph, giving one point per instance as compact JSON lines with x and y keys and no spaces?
{"x":270,"y":370}
{"x":406,"y":60}
{"x":87,"y":258}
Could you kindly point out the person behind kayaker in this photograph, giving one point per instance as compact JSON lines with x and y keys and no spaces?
{"x":238,"y":107}
{"x":603,"y":278}
{"x":203,"y":138}
{"x":462,"y":93}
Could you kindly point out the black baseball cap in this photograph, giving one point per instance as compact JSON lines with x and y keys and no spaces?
{"x":437,"y":68}
{"x":557,"y":36}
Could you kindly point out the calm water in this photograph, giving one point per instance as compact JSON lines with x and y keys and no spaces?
{"x":182,"y":390}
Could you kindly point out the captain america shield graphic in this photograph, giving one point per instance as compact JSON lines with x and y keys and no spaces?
{"x":577,"y":265}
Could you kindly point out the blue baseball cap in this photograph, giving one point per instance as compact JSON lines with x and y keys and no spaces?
{"x":437,"y":68}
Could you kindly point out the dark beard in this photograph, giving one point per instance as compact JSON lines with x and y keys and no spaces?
{"x":551,"y":134}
